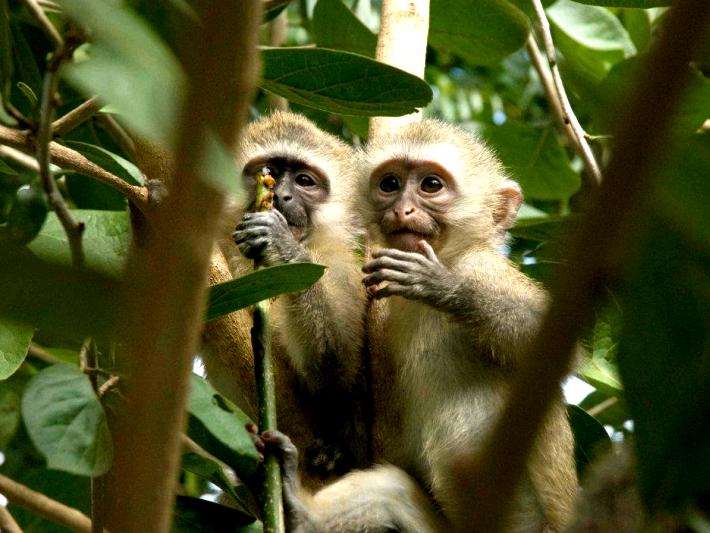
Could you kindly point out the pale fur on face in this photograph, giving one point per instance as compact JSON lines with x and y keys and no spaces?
{"x":477,"y":171}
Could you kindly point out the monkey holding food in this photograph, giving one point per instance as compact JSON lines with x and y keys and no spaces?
{"x":317,"y":334}
{"x":450,"y":321}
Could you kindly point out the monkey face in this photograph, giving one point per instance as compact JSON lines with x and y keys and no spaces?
{"x":410,"y":199}
{"x":300,"y":189}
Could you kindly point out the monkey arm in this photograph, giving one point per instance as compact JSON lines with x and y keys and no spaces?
{"x":484,"y":291}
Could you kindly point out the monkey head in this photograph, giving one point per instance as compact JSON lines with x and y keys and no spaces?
{"x":436,"y":182}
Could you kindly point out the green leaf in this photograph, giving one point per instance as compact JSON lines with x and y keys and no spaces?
{"x":590,"y":438}
{"x":9,"y":414}
{"x":638,"y":23}
{"x":644,"y":4}
{"x":341,"y":82}
{"x":481,"y":32}
{"x":106,"y":240}
{"x":664,"y":361}
{"x":146,"y":81}
{"x":5,"y":51}
{"x":261,"y":285}
{"x":536,"y":160}
{"x":273,"y":8}
{"x":88,"y":193}
{"x":29,"y":93}
{"x":5,"y":168}
{"x":14,"y":343}
{"x":614,"y":414}
{"x":218,"y":426}
{"x":28,"y":71}
{"x":335,"y":26}
{"x":590,"y":38}
{"x":115,"y":164}
{"x":543,"y":229}
{"x":66,"y":421}
{"x":56,"y":299}
{"x":194,"y":515}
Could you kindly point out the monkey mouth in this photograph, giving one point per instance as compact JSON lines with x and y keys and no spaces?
{"x":299,"y":232}
{"x":406,"y":239}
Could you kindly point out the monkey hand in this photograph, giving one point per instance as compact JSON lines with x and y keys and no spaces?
{"x":266,"y":238}
{"x":413,"y":275}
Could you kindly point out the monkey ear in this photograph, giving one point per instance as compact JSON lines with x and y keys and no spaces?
{"x":509,"y":196}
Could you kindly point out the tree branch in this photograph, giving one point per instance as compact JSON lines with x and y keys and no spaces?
{"x":559,"y":97}
{"x":72,"y":227}
{"x":166,"y":292}
{"x":44,"y":23}
{"x":7,"y":522}
{"x":402,"y":44}
{"x":72,"y":160}
{"x":43,"y":506}
{"x":20,"y":158}
{"x":598,"y":252}
{"x":76,"y":117}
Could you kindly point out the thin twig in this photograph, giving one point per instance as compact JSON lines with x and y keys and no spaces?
{"x":40,"y":353}
{"x":110,"y":384}
{"x":600,"y":250}
{"x":602,"y":406}
{"x":19,"y":157}
{"x":568,"y":116}
{"x":69,"y":159}
{"x":76,"y":117}
{"x":36,"y":10}
{"x":119,"y":135}
{"x":7,"y":522}
{"x":73,"y":228}
{"x":43,"y":506}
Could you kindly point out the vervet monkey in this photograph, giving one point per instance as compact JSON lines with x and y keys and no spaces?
{"x":317,"y":334}
{"x":450,"y":321}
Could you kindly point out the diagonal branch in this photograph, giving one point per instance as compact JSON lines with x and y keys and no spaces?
{"x":38,"y":13}
{"x":598,"y":252}
{"x":76,"y":117}
{"x":558,"y":98}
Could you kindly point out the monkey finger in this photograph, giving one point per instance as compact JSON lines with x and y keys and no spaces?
{"x":428,"y":251}
{"x":396,"y":254}
{"x":241,"y":235}
{"x":391,"y":289}
{"x":385,"y":275}
{"x":386,"y":262}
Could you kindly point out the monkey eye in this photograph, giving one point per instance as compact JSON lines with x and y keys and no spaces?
{"x":304,"y":180}
{"x":389,"y":183}
{"x":431,"y":184}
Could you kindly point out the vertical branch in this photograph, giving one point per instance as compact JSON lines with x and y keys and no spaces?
{"x":72,"y":227}
{"x":166,"y":291}
{"x":402,"y":44}
{"x":602,"y":246}
{"x":573,"y":129}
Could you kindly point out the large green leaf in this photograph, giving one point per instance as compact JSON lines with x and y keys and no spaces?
{"x":106,"y":240}
{"x":644,"y":4}
{"x":9,"y":413}
{"x":535,"y":159}
{"x":66,"y":421}
{"x":335,"y":26}
{"x":194,"y":515}
{"x":341,"y":82}
{"x":114,"y":163}
{"x":481,"y":32}
{"x":14,"y":343}
{"x":62,"y":301}
{"x":261,"y":285}
{"x":590,"y":38}
{"x":598,"y":367}
{"x":218,"y":426}
{"x":146,"y":81}
{"x":590,"y":438}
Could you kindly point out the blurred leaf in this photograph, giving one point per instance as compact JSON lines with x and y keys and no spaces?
{"x":590,"y":38}
{"x":548,"y":228}
{"x":5,"y":51}
{"x":341,"y":82}
{"x":213,"y":472}
{"x":694,"y":107}
{"x":614,"y":414}
{"x":644,"y":4}
{"x":598,"y":368}
{"x":193,"y":515}
{"x":590,"y":438}
{"x":273,"y":8}
{"x":638,"y":23}
{"x":14,"y":343}
{"x":664,"y":360}
{"x":335,"y":26}
{"x":28,"y":71}
{"x":218,"y":426}
{"x":482,"y":33}
{"x":56,"y":299}
{"x":66,"y":421}
{"x":106,"y":241}
{"x":142,"y":67}
{"x":536,"y":160}
{"x":5,"y":168}
{"x":114,"y":163}
{"x":261,"y":285}
{"x":88,"y":193}
{"x":9,"y":413}
{"x":29,"y":93}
